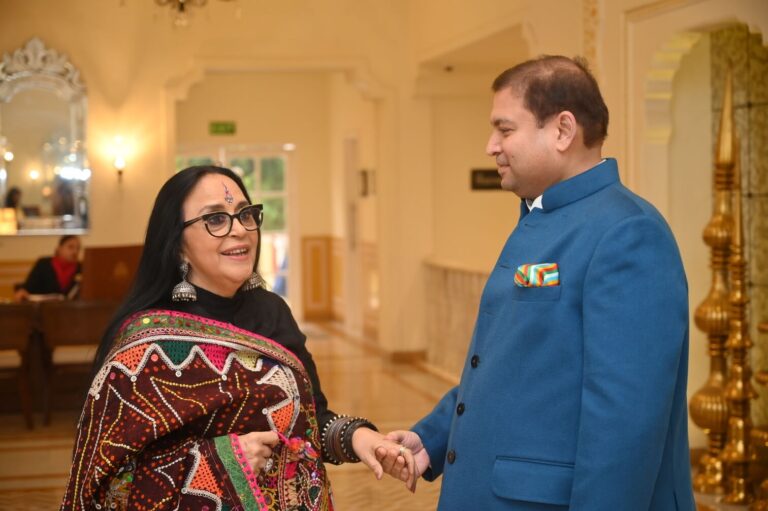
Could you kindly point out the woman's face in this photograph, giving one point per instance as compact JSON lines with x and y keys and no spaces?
{"x":220,"y":265}
{"x":69,"y":250}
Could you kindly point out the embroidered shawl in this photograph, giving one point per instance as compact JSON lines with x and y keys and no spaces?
{"x":157,"y":429}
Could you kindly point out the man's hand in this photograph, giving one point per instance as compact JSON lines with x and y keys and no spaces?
{"x":366,"y":443}
{"x":395,"y":461}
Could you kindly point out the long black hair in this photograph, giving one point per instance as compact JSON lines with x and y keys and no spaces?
{"x":158,"y":269}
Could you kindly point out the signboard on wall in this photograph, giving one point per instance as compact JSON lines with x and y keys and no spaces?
{"x":222,"y":128}
{"x":485,"y":179}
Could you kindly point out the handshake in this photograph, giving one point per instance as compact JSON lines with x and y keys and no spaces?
{"x":401,"y":454}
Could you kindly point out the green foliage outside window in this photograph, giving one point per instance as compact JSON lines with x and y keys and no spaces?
{"x":246,"y":167}
{"x":272,"y":174}
{"x":274,"y":214}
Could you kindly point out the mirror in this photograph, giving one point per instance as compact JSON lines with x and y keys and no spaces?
{"x":44,"y":172}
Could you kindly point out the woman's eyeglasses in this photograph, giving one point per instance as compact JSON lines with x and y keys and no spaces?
{"x":219,"y":223}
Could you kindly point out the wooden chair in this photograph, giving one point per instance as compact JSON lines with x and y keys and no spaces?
{"x":71,"y":331}
{"x":12,"y":273}
{"x":17,"y":331}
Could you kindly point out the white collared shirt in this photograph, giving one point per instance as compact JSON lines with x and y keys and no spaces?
{"x":535,"y":203}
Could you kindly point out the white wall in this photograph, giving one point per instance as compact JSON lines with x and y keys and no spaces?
{"x":353,"y":116}
{"x":470,"y":227}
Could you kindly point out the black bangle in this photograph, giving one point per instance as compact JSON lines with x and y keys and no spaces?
{"x":336,"y":438}
{"x":346,"y":437}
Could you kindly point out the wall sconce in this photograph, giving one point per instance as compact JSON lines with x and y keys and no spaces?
{"x":119,"y":156}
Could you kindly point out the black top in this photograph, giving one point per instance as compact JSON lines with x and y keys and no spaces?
{"x":264,"y":313}
{"x":42,"y":278}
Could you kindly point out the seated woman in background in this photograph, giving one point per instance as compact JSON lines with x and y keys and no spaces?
{"x":205,"y":396}
{"x":59,"y":274}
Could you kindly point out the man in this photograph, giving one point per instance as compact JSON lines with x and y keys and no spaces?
{"x":573,"y":392}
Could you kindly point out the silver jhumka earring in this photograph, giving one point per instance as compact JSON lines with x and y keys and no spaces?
{"x":184,"y":291}
{"x":254,"y":281}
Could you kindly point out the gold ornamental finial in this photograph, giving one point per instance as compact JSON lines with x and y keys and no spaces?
{"x":725,"y":148}
{"x":708,"y":406}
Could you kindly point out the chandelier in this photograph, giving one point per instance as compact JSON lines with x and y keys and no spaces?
{"x":180,"y":9}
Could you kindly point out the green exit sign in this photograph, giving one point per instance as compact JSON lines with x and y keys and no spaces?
{"x":222,"y":128}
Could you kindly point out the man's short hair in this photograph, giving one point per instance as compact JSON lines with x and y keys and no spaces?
{"x":551,"y":84}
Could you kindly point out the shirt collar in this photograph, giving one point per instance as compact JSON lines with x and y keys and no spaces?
{"x":535,"y":203}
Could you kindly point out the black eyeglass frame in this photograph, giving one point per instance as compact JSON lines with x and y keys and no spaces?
{"x":232,"y":216}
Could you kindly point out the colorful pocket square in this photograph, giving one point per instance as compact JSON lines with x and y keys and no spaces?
{"x":537,"y":275}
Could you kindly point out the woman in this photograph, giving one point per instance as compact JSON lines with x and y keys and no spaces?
{"x":59,"y":274}
{"x":13,"y":198}
{"x":206,"y":396}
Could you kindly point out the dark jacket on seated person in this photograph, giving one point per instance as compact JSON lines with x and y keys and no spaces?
{"x":43,"y":279}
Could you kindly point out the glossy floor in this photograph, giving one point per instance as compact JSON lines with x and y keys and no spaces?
{"x":34,"y":464}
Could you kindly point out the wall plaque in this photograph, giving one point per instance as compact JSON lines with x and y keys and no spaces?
{"x":485,"y":179}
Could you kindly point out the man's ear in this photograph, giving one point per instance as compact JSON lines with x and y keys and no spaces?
{"x":567,"y":130}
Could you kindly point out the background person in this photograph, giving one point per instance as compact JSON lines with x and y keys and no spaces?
{"x":59,"y":274}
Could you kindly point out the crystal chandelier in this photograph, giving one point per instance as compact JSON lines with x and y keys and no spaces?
{"x":180,"y":9}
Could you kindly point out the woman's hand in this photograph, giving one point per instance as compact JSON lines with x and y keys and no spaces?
{"x":20,"y":295}
{"x":257,"y":447}
{"x":365,"y":443}
{"x":394,"y":460}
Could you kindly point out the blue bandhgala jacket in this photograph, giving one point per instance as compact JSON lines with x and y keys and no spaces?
{"x":573,"y":396}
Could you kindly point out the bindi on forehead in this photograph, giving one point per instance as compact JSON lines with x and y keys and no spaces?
{"x":227,"y":195}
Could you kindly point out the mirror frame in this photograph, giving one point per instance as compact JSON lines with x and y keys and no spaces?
{"x":36,"y":67}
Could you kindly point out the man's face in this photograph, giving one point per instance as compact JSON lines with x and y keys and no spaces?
{"x":525,"y":153}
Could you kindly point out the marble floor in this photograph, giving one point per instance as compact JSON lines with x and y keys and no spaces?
{"x":34,"y":464}
{"x":357,"y":380}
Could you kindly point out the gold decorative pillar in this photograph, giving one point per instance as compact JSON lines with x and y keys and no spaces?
{"x":738,"y":390}
{"x":708,"y":407}
{"x":759,"y":439}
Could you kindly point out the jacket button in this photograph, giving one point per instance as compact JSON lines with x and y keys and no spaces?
{"x":475,"y":361}
{"x":460,"y":409}
{"x":451,"y":456}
